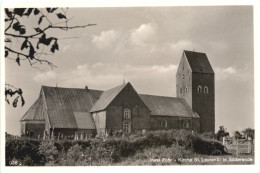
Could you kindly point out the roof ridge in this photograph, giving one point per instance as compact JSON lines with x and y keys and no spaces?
{"x":159,"y":96}
{"x":194,"y":51}
{"x":70,"y":88}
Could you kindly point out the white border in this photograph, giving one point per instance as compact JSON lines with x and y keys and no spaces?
{"x":136,"y":3}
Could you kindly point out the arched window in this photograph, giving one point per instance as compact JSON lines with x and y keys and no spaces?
{"x":199,"y":89}
{"x":164,"y":123}
{"x":127,"y":126}
{"x":186,"y":89}
{"x":183,"y":76}
{"x":127,"y":114}
{"x":181,"y":90}
{"x":206,"y":90}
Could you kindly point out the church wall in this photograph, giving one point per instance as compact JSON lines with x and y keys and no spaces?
{"x":100,"y":121}
{"x":202,"y":103}
{"x":140,"y":114}
{"x":174,"y":123}
{"x":37,"y":127}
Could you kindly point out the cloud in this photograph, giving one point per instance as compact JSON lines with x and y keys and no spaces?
{"x":143,"y":34}
{"x":230,"y":70}
{"x":105,"y":76}
{"x":224,"y":73}
{"x":106,"y":39}
{"x":154,"y":69}
{"x":45,"y":76}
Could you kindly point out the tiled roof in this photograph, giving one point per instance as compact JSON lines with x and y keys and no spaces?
{"x":71,"y":107}
{"x":107,"y":97}
{"x":84,"y":120}
{"x":198,"y":62}
{"x":35,"y":112}
{"x":167,"y":106}
{"x":63,"y":102}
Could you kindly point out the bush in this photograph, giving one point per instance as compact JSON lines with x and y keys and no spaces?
{"x":25,"y":151}
{"x":172,"y":143}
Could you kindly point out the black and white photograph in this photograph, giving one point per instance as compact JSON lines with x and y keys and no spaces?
{"x":128,"y":86}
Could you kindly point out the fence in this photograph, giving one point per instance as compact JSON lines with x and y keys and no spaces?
{"x":240,"y":146}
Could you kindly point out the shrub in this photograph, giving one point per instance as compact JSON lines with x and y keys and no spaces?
{"x":25,"y":151}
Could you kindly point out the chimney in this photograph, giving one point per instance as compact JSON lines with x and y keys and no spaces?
{"x":86,"y":88}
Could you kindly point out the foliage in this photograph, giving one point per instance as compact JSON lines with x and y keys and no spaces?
{"x":206,"y":146}
{"x":24,"y":151}
{"x":172,"y":143}
{"x":159,"y":155}
{"x":32,"y":29}
{"x":237,"y":135}
{"x":221,"y":133}
{"x":249,"y":133}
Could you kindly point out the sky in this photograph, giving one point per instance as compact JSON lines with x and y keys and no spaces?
{"x":143,"y":46}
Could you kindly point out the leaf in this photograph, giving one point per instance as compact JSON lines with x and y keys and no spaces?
{"x":36,"y":11}
{"x":29,"y":11}
{"x":60,"y":16}
{"x":19,"y":11}
{"x":44,"y":40}
{"x":53,"y":9}
{"x":8,"y":13}
{"x":48,"y":10}
{"x":15,"y":101}
{"x":54,"y":47}
{"x":16,"y":26}
{"x":18,"y":60}
{"x":6,"y":53}
{"x":31,"y":52}
{"x":24,"y":45}
{"x":38,"y":30}
{"x":40,"y":20}
{"x":19,"y":91}
{"x":23,"y":102}
{"x":22,"y":31}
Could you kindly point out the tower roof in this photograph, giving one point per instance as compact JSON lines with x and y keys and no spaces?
{"x":198,"y":62}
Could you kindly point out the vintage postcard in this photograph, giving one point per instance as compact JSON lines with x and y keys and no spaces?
{"x":128,"y":85}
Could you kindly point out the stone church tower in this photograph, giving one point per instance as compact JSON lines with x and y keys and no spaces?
{"x":196,"y":84}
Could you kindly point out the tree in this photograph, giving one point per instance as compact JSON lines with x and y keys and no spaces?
{"x":249,"y":133}
{"x":34,"y":40}
{"x":221,"y":133}
{"x":237,"y":135}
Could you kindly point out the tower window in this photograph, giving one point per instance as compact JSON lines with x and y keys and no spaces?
{"x":183,"y":76}
{"x":206,"y":90}
{"x":181,"y":90}
{"x":127,"y":113}
{"x":199,"y":89}
{"x":186,"y":89}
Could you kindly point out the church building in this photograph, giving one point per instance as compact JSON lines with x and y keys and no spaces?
{"x":79,"y":113}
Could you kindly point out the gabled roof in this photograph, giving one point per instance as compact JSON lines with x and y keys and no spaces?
{"x":107,"y":97}
{"x":35,"y":112}
{"x":168,"y":106}
{"x":198,"y":62}
{"x":62,"y":103}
